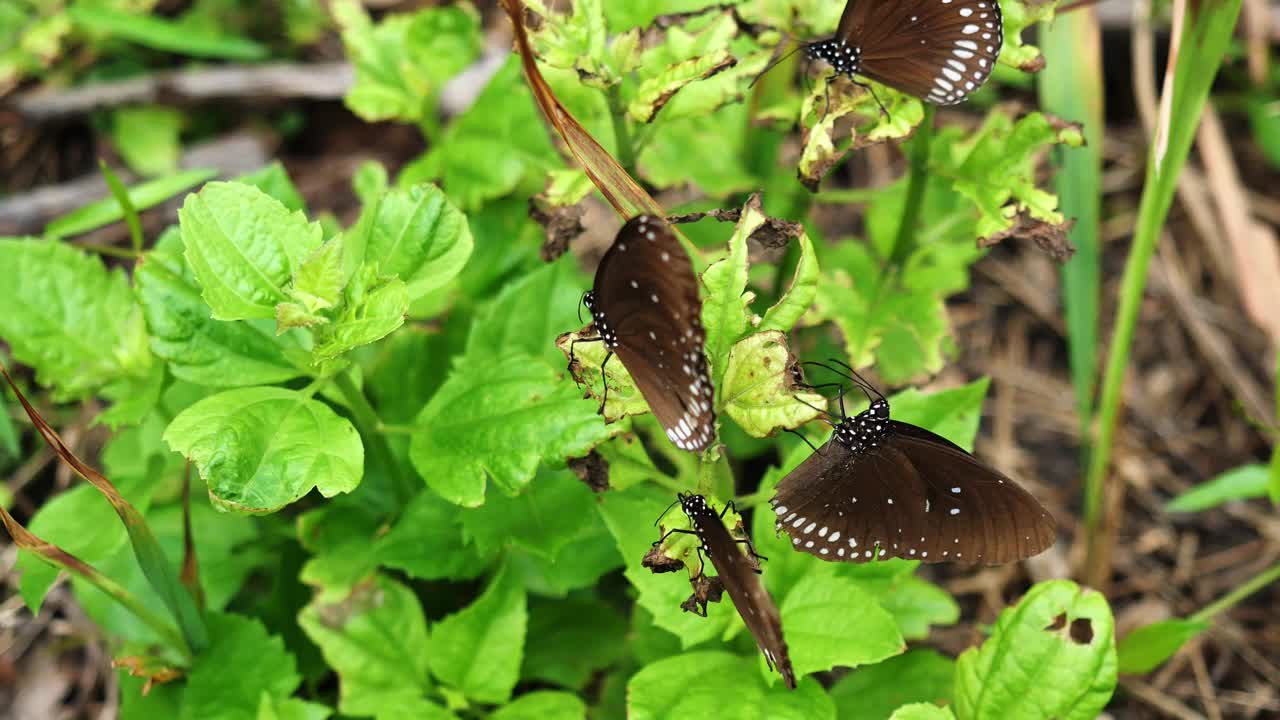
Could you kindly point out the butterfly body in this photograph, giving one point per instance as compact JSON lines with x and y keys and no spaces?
{"x":645,"y":307}
{"x":882,"y":488}
{"x":937,"y":50}
{"x":739,"y":575}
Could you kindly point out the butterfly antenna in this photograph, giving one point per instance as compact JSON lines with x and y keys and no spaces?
{"x":581,"y":301}
{"x":859,"y":383}
{"x":864,"y":381}
{"x":774,"y":63}
{"x":664,"y":512}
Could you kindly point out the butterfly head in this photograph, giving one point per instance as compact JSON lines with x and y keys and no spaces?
{"x":844,"y":58}
{"x":866,"y":430}
{"x":693,"y":505}
{"x":601,"y":322}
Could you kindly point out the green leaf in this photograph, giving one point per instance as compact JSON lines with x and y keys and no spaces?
{"x":1018,"y":15}
{"x":142,"y":196}
{"x":227,"y":546}
{"x":630,"y":516}
{"x":261,"y":448}
{"x":478,"y":649}
{"x":995,"y":168}
{"x":274,"y":181}
{"x":720,"y":685}
{"x":954,"y":414}
{"x":70,"y":318}
{"x":543,"y":705}
{"x":496,"y":422}
{"x":1146,"y":648}
{"x":569,"y":640}
{"x":147,"y":138}
{"x":494,"y":147}
{"x":160,"y":33}
{"x":901,"y":331}
{"x":320,"y":279}
{"x":427,"y":542}
{"x":756,"y":390}
{"x":132,"y":398}
{"x":270,"y":708}
{"x":81,"y":522}
{"x":542,"y":519}
{"x":831,"y":622}
{"x":917,"y":605}
{"x":726,"y":303}
{"x":338,"y":535}
{"x":922,"y":711}
{"x":376,"y":640}
{"x":654,"y":92}
{"x":244,"y":247}
{"x":1051,"y":655}
{"x":372,"y":309}
{"x":1242,"y":483}
{"x":402,"y":61}
{"x":580,"y":564}
{"x":828,"y":103}
{"x":799,"y":297}
{"x":530,"y":311}
{"x":198,"y":348}
{"x":415,"y":233}
{"x":589,"y":368}
{"x":873,"y":692}
{"x":242,"y":662}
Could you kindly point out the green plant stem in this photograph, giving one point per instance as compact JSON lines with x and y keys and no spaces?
{"x":1226,"y":602}
{"x":367,"y":423}
{"x":160,"y":625}
{"x":621,"y":134}
{"x":905,"y":242}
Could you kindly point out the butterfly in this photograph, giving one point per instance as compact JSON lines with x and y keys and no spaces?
{"x":738,"y":575}
{"x":884,"y":488}
{"x":645,"y":308}
{"x":937,"y":50}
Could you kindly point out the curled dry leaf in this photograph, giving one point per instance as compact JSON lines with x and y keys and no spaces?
{"x":1050,"y":238}
{"x":705,"y":590}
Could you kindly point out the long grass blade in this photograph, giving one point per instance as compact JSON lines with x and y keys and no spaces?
{"x":1201,"y":33}
{"x":1071,"y":88}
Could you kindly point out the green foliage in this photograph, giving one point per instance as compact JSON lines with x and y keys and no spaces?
{"x":1146,"y":648}
{"x":1242,"y":483}
{"x":1052,"y":655}
{"x":261,"y":448}
{"x":408,"y":365}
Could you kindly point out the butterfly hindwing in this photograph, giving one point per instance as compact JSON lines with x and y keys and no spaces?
{"x":898,"y":490}
{"x":646,"y":297}
{"x":741,"y":580}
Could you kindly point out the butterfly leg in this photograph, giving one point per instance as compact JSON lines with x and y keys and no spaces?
{"x":671,"y":532}
{"x":805,"y":439}
{"x":868,"y":88}
{"x":604,"y":380}
{"x":572,"y":358}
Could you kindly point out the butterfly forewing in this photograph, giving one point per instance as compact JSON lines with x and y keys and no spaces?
{"x":740,"y":579}
{"x":938,"y":50}
{"x":911,"y":494}
{"x":646,"y":294}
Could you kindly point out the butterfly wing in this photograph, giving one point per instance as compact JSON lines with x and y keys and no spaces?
{"x":915,"y":496}
{"x":939,"y":50}
{"x":647,"y":289}
{"x":738,"y":575}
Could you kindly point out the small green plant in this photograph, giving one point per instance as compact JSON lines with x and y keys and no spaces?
{"x":347,"y":462}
